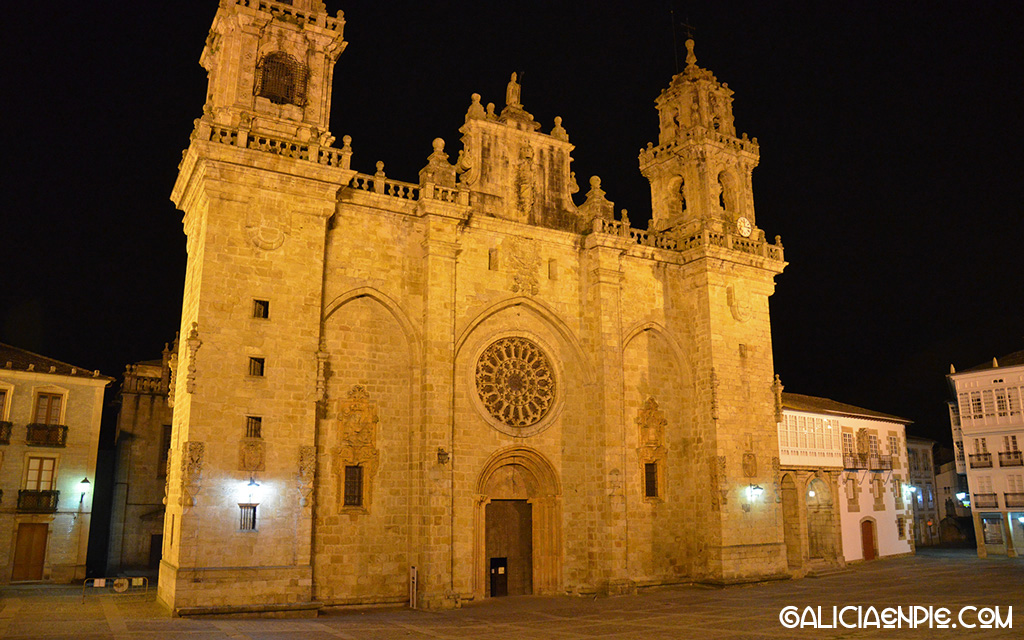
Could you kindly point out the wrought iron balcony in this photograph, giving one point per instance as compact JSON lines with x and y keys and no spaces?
{"x":986,"y":500}
{"x":981,"y":460}
{"x":854,"y":461}
{"x":5,"y":432}
{"x":1014,"y":499}
{"x":1010,"y":459}
{"x":880,"y":462}
{"x":46,"y":435}
{"x":37,"y":501}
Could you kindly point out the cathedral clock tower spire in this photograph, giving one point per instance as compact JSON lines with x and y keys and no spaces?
{"x":700,"y":172}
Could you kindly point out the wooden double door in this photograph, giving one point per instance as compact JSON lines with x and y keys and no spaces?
{"x":30,"y":551}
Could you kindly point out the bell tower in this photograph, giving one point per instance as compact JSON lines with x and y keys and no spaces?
{"x":270,"y":67}
{"x":257,"y":185}
{"x":700,"y":172}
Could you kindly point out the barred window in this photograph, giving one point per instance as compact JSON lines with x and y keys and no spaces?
{"x":253,"y":427}
{"x":353,"y":486}
{"x":651,"y":479}
{"x":247,"y":518}
{"x":256,"y":366}
{"x":282,"y":79}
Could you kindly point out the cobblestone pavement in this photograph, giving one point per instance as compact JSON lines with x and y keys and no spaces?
{"x":951,"y":579}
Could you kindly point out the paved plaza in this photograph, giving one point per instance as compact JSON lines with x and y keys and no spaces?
{"x":950,"y":579}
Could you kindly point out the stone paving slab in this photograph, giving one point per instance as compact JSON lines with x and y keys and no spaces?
{"x":945,"y":578}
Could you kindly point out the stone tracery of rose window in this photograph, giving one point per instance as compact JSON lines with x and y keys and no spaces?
{"x":515,"y":382}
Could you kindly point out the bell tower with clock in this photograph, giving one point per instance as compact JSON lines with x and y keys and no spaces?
{"x":700,"y":171}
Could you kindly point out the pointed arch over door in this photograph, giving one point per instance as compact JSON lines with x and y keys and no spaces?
{"x":522,"y":474}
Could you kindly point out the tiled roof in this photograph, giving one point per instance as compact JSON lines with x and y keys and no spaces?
{"x":1009,"y":360}
{"x":13,"y":358}
{"x":812,"y":404}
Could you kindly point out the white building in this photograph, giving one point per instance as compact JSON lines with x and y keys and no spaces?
{"x":988,"y":430}
{"x":828,"y":449}
{"x":49,"y":433}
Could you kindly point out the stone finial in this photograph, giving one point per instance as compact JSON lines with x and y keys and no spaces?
{"x":438,"y":170}
{"x":53,"y":368}
{"x":490,"y":111}
{"x":952,"y":369}
{"x":691,"y":57}
{"x":625,"y":219}
{"x":995,"y":363}
{"x":512,"y":92}
{"x":596,"y":205}
{"x":559,"y":131}
{"x":476,"y":110}
{"x":31,"y":367}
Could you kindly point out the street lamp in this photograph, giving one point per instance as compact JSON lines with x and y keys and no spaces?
{"x":83,"y":488}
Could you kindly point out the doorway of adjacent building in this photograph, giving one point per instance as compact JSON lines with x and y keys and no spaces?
{"x":509,"y":547}
{"x":30,"y":551}
{"x":156,"y":545}
{"x":819,"y":519}
{"x":867,"y":537}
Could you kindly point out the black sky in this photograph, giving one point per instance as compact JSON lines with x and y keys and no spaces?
{"x":890,"y":160}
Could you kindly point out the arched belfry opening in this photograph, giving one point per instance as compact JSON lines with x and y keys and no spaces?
{"x":517,"y":548}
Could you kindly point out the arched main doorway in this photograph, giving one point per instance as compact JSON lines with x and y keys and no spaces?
{"x":518,"y":525}
{"x":820,"y":526}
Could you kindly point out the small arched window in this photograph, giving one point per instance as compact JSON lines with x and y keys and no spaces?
{"x":722,"y":180}
{"x":682,"y":195}
{"x":282,"y":79}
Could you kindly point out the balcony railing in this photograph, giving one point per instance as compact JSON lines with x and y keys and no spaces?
{"x":37,"y":501}
{"x":5,"y":432}
{"x":1014,"y":499}
{"x":880,"y":462}
{"x":986,"y":500}
{"x":1010,"y":459}
{"x":981,"y":460}
{"x":46,"y":435}
{"x":854,"y":461}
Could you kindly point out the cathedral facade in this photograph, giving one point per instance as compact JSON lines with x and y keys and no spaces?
{"x":470,"y":380}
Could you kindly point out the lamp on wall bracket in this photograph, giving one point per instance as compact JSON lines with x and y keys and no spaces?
{"x":83,"y":488}
{"x":754,"y":493}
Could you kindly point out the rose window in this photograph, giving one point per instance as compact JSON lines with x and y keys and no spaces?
{"x":515,"y":383}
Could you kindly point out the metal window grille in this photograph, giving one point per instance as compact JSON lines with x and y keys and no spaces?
{"x":282,"y":79}
{"x":256,"y":366}
{"x":651,"y":479}
{"x":353,"y":486}
{"x":247,"y":519}
{"x":253,"y":427}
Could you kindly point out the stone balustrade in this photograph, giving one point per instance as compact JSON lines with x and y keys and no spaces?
{"x":287,"y":11}
{"x":310,"y":152}
{"x":678,"y":242}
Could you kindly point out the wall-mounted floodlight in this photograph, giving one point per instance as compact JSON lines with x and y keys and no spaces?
{"x":83,"y":488}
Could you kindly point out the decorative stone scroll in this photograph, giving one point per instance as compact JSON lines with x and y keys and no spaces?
{"x":515,"y":382}
{"x":307,"y":472}
{"x":193,"y":344}
{"x":524,"y":265}
{"x":191,"y":471}
{"x":356,"y":441}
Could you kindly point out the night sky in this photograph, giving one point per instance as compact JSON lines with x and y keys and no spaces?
{"x":891,"y":160}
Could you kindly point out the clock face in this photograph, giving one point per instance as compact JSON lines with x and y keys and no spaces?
{"x":744,"y":227}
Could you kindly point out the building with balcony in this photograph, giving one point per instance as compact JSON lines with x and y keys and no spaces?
{"x":921,"y":461}
{"x":844,"y":483}
{"x":49,"y":434}
{"x":140,"y":468}
{"x":987,"y":421}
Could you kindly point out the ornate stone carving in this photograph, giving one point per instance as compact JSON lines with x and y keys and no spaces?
{"x":264,"y":232}
{"x":749,"y":464}
{"x":524,"y":265}
{"x":321,"y":373}
{"x":777,"y":388}
{"x":191,"y":471}
{"x":356,"y":441}
{"x":525,"y":193}
{"x":651,"y":423}
{"x":252,"y":454}
{"x":596,"y":205}
{"x":307,"y":472}
{"x":515,"y":382}
{"x":193,"y":344}
{"x":739,"y":303}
